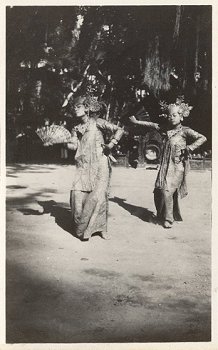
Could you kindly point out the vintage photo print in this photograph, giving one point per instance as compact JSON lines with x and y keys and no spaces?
{"x":107,"y":156}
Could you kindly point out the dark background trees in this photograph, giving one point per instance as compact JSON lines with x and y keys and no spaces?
{"x":115,"y":52}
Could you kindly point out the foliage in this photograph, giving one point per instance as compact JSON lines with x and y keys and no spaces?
{"x":110,"y":51}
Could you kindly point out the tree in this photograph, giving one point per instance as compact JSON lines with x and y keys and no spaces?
{"x":110,"y":50}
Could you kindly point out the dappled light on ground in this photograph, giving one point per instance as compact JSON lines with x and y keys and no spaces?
{"x":146,"y":284}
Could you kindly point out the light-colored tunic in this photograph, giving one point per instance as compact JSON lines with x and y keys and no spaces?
{"x":89,"y":195}
{"x":171,"y":178}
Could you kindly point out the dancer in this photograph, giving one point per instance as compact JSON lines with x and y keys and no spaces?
{"x":89,"y":194}
{"x":174,"y":165}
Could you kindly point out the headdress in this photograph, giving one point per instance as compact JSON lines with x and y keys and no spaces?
{"x":90,"y":101}
{"x":184,"y":108}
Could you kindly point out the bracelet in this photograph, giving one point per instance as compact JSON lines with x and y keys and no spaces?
{"x":114,"y":141}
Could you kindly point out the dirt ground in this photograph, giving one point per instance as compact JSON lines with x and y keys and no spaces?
{"x":146,"y":284}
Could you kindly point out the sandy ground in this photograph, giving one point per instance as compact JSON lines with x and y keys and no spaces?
{"x":146,"y":284}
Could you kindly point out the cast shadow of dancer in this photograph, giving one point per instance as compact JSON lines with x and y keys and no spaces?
{"x":61,"y":214}
{"x":142,"y":213}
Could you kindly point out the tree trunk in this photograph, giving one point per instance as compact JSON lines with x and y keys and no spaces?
{"x":177,"y":23}
{"x":197,"y":43}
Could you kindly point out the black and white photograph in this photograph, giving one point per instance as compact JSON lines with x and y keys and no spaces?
{"x":108,"y":185}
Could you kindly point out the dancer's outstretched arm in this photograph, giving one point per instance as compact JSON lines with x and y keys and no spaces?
{"x":144,"y":123}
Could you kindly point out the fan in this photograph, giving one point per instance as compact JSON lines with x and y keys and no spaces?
{"x":53,"y":134}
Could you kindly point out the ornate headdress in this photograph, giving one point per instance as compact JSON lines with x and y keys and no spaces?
{"x":90,"y":101}
{"x":184,"y":108}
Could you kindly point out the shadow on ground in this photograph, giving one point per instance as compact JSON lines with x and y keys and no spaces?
{"x":15,"y":168}
{"x":25,"y":199}
{"x":53,"y":310}
{"x":142,"y":213}
{"x":59,"y":211}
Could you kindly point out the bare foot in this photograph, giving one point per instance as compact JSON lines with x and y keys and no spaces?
{"x":84,"y":239}
{"x":167,"y":224}
{"x":105,"y":235}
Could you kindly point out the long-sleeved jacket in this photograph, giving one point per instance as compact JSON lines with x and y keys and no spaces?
{"x":88,"y":140}
{"x":173,"y":167}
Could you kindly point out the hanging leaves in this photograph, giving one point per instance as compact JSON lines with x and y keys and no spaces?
{"x":156,"y":72}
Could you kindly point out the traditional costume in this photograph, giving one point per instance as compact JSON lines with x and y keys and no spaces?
{"x":174,"y":166}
